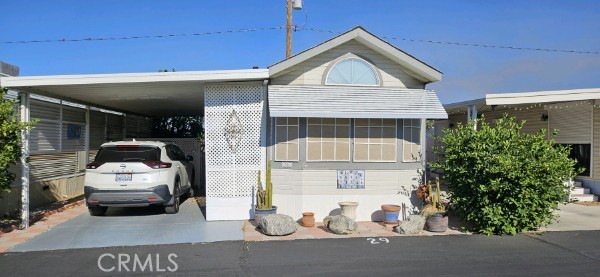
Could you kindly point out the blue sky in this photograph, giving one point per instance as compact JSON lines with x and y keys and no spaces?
{"x":469,"y":72}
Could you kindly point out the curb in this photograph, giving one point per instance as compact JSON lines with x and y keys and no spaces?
{"x":34,"y":219}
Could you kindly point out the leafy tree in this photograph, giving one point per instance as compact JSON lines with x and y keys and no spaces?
{"x":502,"y":180}
{"x":10,"y":139}
{"x":177,"y":127}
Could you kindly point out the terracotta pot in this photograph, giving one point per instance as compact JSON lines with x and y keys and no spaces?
{"x":308,"y":219}
{"x":391,"y":213}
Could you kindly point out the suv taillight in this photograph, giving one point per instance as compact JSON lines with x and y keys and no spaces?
{"x":158,"y":165}
{"x":93,"y":165}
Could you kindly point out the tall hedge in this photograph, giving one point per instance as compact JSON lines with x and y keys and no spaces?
{"x":502,"y":180}
{"x":10,"y":140}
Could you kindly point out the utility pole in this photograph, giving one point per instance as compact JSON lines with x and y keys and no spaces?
{"x":296,"y":5}
{"x":288,"y":27}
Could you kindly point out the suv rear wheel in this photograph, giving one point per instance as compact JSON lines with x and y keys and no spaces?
{"x":191,"y":192}
{"x":97,"y":210}
{"x":174,"y":208}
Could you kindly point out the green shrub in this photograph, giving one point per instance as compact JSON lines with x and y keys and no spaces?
{"x":10,"y":139}
{"x":501,"y":180}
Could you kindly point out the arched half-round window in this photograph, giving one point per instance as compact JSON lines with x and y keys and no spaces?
{"x":352,"y":71}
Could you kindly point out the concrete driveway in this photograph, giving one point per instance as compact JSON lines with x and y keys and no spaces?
{"x":574,"y":217}
{"x":135,"y":226}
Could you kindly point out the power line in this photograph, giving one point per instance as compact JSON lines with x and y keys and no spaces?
{"x":463,"y":44}
{"x":296,"y":28}
{"x":144,"y":37}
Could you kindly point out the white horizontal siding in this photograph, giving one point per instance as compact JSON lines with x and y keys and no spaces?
{"x":574,"y":124}
{"x":324,"y":182}
{"x":353,"y":102}
{"x":53,"y":165}
{"x":311,"y":72}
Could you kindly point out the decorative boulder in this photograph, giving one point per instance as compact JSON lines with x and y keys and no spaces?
{"x":340,"y":224}
{"x":278,"y":225}
{"x":412,"y":226}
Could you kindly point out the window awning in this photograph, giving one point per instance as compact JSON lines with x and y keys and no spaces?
{"x":354,"y":102}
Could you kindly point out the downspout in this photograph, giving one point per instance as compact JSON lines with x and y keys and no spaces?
{"x":265,"y":136}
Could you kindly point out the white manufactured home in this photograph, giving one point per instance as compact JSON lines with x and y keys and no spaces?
{"x":342,"y":121}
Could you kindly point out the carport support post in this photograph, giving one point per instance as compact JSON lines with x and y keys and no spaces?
{"x":24,"y":162}
{"x":87,"y":134}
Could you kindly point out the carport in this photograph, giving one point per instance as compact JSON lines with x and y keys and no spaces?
{"x":224,"y":93}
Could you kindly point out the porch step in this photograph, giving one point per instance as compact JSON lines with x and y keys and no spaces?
{"x":580,"y":190}
{"x":573,"y":184}
{"x":584,"y":197}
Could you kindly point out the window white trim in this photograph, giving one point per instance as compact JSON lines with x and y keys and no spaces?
{"x":376,"y":143}
{"x":355,"y":58}
{"x":287,"y":142}
{"x":405,"y":142}
{"x":335,"y":125}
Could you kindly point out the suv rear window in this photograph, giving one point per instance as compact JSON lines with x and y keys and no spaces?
{"x":120,"y":154}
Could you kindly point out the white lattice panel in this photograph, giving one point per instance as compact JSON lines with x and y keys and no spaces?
{"x":233,"y":117}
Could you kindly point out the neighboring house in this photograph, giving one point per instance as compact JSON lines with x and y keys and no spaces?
{"x":342,"y":121}
{"x":574,"y":113}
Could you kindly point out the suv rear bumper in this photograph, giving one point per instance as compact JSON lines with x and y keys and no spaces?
{"x":127,"y":198}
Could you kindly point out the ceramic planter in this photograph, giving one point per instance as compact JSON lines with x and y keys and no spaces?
{"x":308,"y":219}
{"x":391,"y":213}
{"x":260,"y":213}
{"x":437,"y":222}
{"x":348,"y":209}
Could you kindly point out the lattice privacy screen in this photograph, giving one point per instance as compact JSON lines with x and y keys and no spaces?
{"x":233,"y":115}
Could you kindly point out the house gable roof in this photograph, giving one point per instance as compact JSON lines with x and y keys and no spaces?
{"x":427,"y":72}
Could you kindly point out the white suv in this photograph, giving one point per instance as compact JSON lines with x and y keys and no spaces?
{"x":138,"y":173}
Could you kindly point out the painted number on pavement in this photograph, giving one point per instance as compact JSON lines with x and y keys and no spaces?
{"x":378,"y":241}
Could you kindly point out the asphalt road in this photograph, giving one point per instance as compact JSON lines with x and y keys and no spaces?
{"x":551,"y":254}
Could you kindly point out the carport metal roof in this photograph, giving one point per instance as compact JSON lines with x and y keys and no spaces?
{"x":151,"y":94}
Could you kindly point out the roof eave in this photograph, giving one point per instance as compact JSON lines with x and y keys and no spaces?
{"x":542,"y":96}
{"x":125,"y":78}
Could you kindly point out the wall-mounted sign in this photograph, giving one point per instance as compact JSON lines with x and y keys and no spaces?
{"x":350,"y":179}
{"x":73,"y":131}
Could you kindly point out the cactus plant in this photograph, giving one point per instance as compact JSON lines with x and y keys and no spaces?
{"x":435,"y":205}
{"x":264,"y":197}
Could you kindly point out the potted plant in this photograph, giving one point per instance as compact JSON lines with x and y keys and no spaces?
{"x":264,"y":197}
{"x":434,"y":211}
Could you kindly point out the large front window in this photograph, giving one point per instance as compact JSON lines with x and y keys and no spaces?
{"x":375,"y":140}
{"x":286,"y":137}
{"x":328,"y":139}
{"x":412,"y":140}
